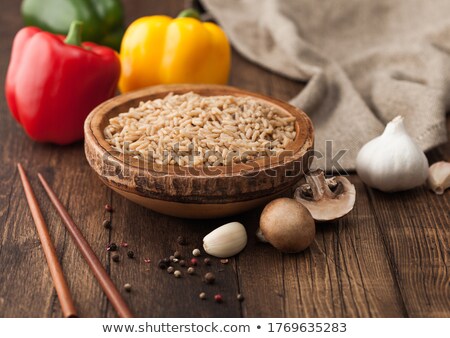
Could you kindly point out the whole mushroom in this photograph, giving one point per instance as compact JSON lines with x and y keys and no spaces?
{"x":326,"y":199}
{"x":287,"y":225}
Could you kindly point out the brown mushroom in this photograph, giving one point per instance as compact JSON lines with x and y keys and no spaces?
{"x":326,"y":199}
{"x":287,"y":225}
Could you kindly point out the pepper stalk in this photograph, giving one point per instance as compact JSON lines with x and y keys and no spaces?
{"x":190,"y":13}
{"x":74,"y":35}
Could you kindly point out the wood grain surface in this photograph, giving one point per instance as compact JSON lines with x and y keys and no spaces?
{"x":389,"y":257}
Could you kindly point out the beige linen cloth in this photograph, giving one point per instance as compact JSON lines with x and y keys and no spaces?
{"x":366,"y":61}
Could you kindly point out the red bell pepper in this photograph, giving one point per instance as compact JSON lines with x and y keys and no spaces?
{"x":53,"y":83}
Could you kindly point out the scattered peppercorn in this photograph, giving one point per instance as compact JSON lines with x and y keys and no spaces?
{"x":177,"y":273}
{"x":240,"y":297}
{"x":175,"y":260}
{"x":108,"y":208}
{"x":182,"y":262}
{"x":181,"y":240}
{"x":162,"y":264}
{"x":218,"y":298}
{"x":209,"y":278}
{"x":115,"y":258}
{"x":166,"y":261}
{"x":107,"y":224}
{"x":207,"y":261}
{"x":170,"y":269}
{"x":171,"y":258}
{"x":194,"y":261}
{"x":177,"y":254}
{"x":191,"y":270}
{"x":196,"y":252}
{"x":130,"y":254}
{"x":127,"y":287}
{"x":202,"y":295}
{"x":224,"y":261}
{"x":112,"y":247}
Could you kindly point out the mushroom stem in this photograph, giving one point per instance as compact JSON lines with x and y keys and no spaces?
{"x":319,"y":185}
{"x":260,"y":236}
{"x":326,"y":199}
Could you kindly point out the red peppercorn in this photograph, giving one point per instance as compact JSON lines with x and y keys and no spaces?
{"x":218,"y":298}
{"x":194,"y":261}
{"x":108,"y":208}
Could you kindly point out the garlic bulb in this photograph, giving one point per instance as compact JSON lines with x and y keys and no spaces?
{"x":392,"y":161}
{"x":226,"y":241}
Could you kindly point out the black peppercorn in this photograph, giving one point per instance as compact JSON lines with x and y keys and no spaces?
{"x":166,"y":261}
{"x":115,"y":258}
{"x":207,"y":261}
{"x":108,"y":208}
{"x":181,"y":240}
{"x":112,"y":247}
{"x":177,"y":254}
{"x":182,"y":263}
{"x":130,"y":254}
{"x":107,"y":224}
{"x":210,"y":278}
{"x":162,"y":264}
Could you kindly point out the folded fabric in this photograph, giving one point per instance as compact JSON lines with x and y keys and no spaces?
{"x":365,"y":62}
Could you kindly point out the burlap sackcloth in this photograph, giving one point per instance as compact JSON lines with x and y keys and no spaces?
{"x":366,"y":61}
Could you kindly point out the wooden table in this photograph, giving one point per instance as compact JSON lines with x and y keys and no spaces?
{"x":389,"y":257}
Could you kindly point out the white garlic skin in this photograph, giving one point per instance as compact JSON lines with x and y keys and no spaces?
{"x":392,"y":161}
{"x":226,"y":241}
{"x":439,"y":177}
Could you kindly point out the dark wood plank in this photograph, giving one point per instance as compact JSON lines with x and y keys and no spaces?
{"x":156,"y":293}
{"x":345,"y":273}
{"x":24,"y":289}
{"x":415,"y":228}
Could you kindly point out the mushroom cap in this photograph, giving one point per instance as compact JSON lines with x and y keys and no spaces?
{"x":287,"y":225}
{"x":330,"y":206}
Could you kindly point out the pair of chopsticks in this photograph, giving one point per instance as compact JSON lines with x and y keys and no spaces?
{"x":62,"y":290}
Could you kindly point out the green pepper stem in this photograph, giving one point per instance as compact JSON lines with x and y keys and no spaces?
{"x":74,"y":35}
{"x":189,"y":13}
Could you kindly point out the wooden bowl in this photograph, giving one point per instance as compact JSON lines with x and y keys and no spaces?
{"x":196,"y":192}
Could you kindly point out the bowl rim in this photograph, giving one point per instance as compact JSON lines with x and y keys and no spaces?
{"x":302,"y":142}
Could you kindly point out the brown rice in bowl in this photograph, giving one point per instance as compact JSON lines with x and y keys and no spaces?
{"x":190,"y":130}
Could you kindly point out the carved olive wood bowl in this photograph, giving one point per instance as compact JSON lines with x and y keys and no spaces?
{"x":196,"y":192}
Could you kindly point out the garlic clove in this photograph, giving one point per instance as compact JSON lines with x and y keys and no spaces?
{"x":392,"y":161}
{"x":226,"y":241}
{"x":439,"y":177}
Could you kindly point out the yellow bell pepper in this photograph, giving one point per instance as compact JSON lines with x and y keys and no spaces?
{"x":159,"y":49}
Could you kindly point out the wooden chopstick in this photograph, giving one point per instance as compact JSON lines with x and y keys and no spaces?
{"x":62,"y":290}
{"x":96,"y":266}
